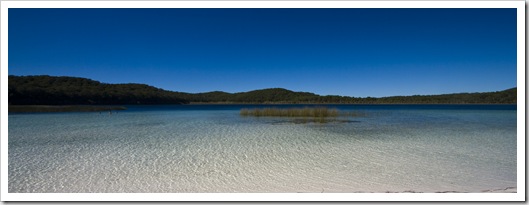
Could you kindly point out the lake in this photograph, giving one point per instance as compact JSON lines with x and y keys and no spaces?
{"x":211,"y":148}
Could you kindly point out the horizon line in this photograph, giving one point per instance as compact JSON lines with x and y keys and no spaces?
{"x":265,"y":89}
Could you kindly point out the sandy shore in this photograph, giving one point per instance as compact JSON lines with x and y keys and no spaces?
{"x":506,"y":190}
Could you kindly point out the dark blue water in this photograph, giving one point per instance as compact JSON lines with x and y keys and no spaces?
{"x":337,"y":106}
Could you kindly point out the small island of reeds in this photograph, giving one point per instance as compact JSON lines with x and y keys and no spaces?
{"x":308,"y":114}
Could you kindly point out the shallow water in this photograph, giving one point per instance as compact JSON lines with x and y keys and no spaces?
{"x":211,"y":148}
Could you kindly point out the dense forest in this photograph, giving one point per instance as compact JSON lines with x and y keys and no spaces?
{"x":49,"y":90}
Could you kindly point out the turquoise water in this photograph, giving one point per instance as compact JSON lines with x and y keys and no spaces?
{"x":211,"y":148}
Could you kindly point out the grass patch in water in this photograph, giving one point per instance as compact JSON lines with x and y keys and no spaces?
{"x":307,"y":114}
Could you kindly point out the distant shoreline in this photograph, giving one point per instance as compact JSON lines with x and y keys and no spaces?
{"x":52,"y":90}
{"x":62,"y":108}
{"x":13,"y":109}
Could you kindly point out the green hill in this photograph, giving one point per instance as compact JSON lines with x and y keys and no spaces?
{"x":501,"y":97}
{"x":49,"y":90}
{"x":273,"y":95}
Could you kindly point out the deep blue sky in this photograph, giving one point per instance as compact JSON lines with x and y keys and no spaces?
{"x":352,"y":52}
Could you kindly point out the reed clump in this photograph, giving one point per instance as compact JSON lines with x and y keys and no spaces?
{"x":317,"y":112}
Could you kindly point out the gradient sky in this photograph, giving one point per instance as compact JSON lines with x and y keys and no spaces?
{"x":351,"y":52}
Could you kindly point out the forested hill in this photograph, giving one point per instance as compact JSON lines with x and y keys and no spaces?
{"x":48,"y":90}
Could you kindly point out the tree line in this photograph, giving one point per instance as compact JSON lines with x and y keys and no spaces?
{"x":51,"y":90}
{"x":48,"y":90}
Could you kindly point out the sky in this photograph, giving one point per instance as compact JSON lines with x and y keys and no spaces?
{"x":348,"y":52}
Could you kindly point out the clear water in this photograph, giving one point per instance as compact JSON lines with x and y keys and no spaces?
{"x":211,"y":148}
